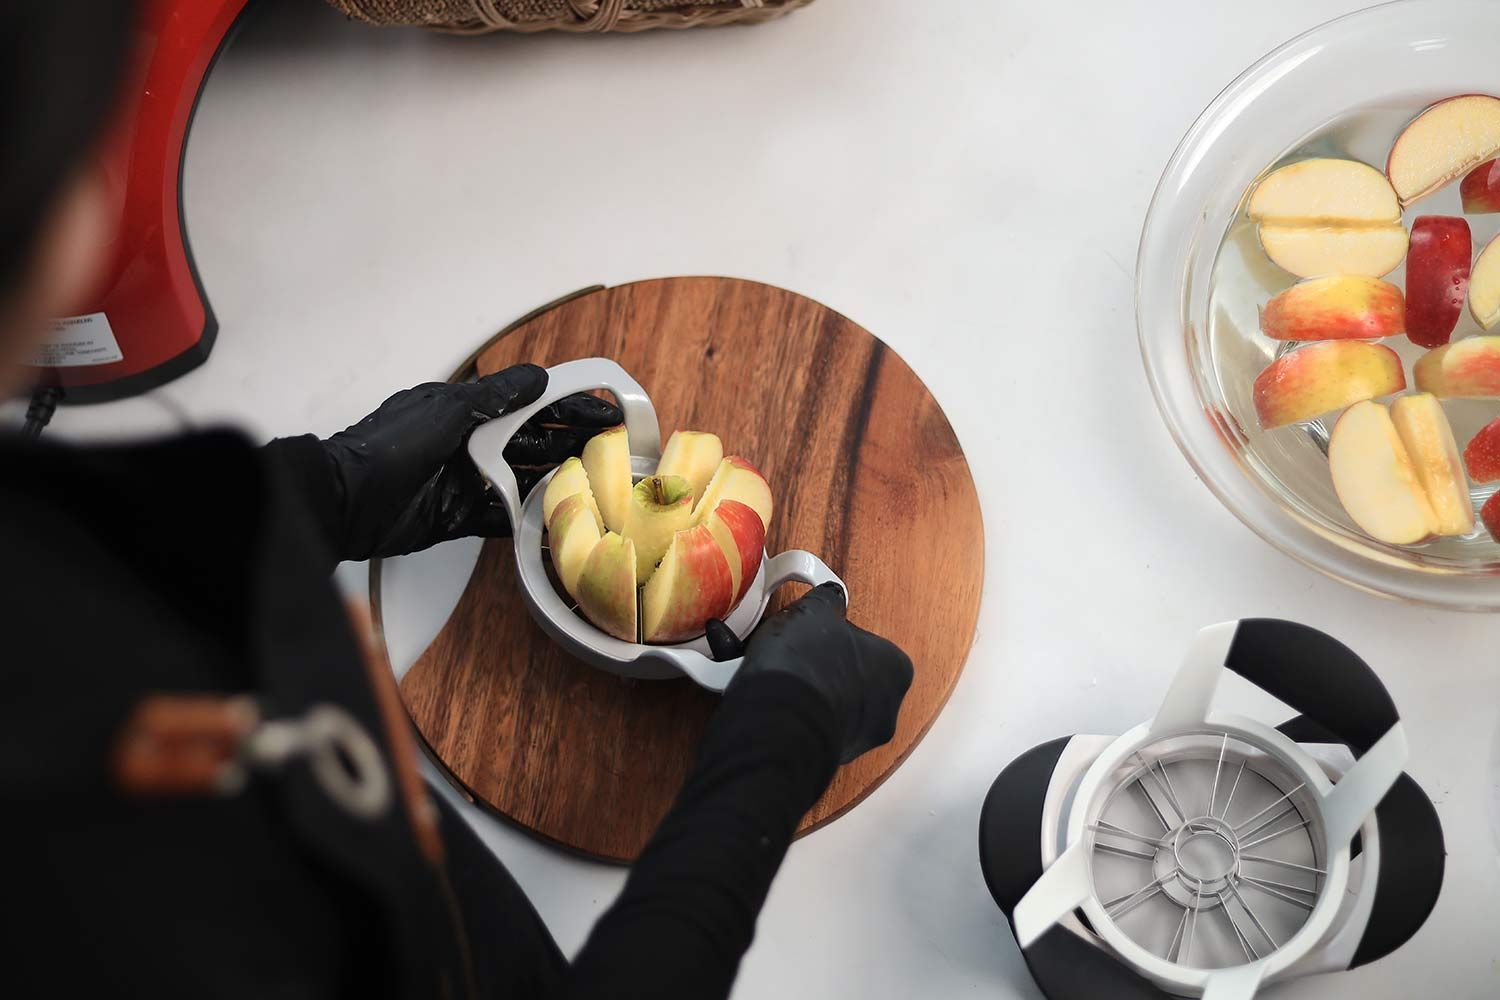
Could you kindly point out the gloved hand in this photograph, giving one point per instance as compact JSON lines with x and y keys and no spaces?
{"x":861,"y":676}
{"x":406,"y":481}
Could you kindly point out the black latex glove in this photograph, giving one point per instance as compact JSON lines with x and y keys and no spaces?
{"x":407,"y":481}
{"x":861,"y":676}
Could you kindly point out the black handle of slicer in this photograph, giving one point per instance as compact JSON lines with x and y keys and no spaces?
{"x":1064,"y":964}
{"x":1316,"y":675}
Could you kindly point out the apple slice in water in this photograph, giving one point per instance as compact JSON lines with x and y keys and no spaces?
{"x":1482,"y":453}
{"x":1316,"y":251}
{"x":1424,"y":430}
{"x":1484,"y":286}
{"x":1325,"y":191}
{"x":1442,"y":144}
{"x":1437,"y":278}
{"x":1374,"y":477}
{"x":1467,"y":368}
{"x":1490,"y":515}
{"x":1341,"y":307}
{"x":1480,"y":189}
{"x":1322,"y":377}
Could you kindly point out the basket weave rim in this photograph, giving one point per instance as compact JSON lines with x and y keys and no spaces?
{"x":606,"y":15}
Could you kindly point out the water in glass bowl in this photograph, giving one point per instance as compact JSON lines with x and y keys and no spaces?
{"x":1292,"y":460}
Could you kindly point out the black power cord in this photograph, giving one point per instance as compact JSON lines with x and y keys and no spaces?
{"x":39,"y":414}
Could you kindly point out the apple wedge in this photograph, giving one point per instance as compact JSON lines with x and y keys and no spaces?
{"x":1490,"y":515}
{"x":1482,"y":453}
{"x":660,"y":506}
{"x":742,"y":536}
{"x":1325,"y":191}
{"x":1437,"y":278}
{"x":1315,"y":379}
{"x":1314,"y":251}
{"x":1341,"y":307}
{"x":693,"y":455}
{"x":692,"y":585}
{"x":1374,"y":478}
{"x":1484,"y":286}
{"x":606,"y":587}
{"x":1468,"y":368}
{"x":1480,"y":189}
{"x":1443,"y":143}
{"x":572,"y":534}
{"x":569,"y":480}
{"x":736,"y":479}
{"x":606,"y":460}
{"x":1424,"y":430}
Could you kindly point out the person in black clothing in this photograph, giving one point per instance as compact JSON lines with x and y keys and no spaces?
{"x":208,"y":789}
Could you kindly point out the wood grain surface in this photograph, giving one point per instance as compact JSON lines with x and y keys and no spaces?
{"x":866,"y":472}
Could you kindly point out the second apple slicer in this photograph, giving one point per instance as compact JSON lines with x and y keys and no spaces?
{"x":550,"y":608}
{"x":1209,"y":854}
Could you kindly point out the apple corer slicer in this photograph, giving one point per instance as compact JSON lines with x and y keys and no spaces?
{"x":556,"y":615}
{"x":1207,"y":854}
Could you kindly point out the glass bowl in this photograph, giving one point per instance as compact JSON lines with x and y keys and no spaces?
{"x":1342,"y":89}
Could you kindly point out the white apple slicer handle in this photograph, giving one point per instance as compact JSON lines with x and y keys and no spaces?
{"x":487,"y":443}
{"x":791,"y":565}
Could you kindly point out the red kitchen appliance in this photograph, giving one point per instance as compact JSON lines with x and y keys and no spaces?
{"x":148,"y":321}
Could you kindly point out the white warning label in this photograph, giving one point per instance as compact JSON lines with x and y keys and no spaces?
{"x":79,"y":340}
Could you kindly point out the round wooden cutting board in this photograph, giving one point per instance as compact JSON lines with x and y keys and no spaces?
{"x":866,"y":472}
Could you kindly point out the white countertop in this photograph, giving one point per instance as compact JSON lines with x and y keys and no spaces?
{"x":966,"y":179}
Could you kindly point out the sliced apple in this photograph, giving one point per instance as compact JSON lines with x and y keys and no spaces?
{"x":660,"y":506}
{"x":606,"y":587}
{"x":1424,"y":430}
{"x":1374,"y":478}
{"x":1314,"y":251}
{"x":606,"y":460}
{"x":693,"y":455}
{"x":1437,"y":278}
{"x":1468,"y":368}
{"x":1340,"y":307}
{"x":1482,"y":453}
{"x":569,"y":480}
{"x":736,"y":479}
{"x":1443,"y":143}
{"x":1325,"y":191}
{"x":1315,"y":379}
{"x":742,"y":536}
{"x":572,"y":534}
{"x":1480,"y":189}
{"x":1484,"y":286}
{"x":1490,"y":515}
{"x":693,"y":585}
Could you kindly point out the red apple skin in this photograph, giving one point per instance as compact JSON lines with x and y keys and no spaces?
{"x":1437,"y":278}
{"x":1482,"y":454}
{"x":1490,"y":515}
{"x":1480,"y":188}
{"x":1338,"y":307}
{"x":1322,"y":377}
{"x":699,"y":591}
{"x":749,"y":536}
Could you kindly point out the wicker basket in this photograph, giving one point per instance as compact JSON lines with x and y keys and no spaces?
{"x":479,"y":16}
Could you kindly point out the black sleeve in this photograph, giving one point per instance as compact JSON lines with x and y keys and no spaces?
{"x":304,"y":467}
{"x":687,"y":913}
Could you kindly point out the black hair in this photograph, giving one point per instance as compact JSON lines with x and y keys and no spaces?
{"x":61,"y":67}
